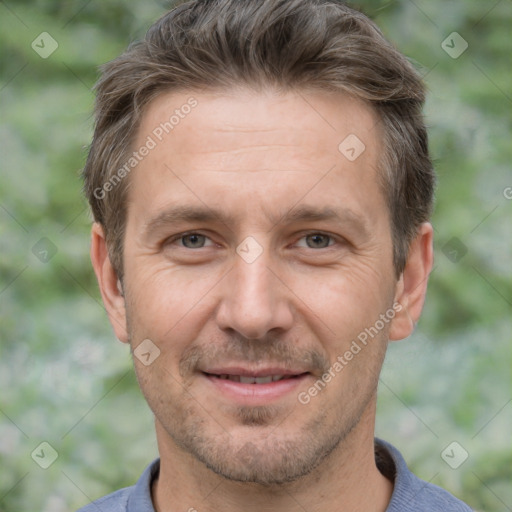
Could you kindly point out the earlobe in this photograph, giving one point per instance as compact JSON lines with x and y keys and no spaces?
{"x":411,"y":288}
{"x":110,"y":286}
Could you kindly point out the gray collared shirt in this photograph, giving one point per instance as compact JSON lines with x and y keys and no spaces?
{"x":410,"y":493}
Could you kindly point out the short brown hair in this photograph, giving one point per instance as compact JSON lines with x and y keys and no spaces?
{"x":285,"y":44}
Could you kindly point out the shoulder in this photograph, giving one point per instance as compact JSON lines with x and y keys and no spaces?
{"x":136,"y":498}
{"x":412,"y":494}
{"x":114,"y":502}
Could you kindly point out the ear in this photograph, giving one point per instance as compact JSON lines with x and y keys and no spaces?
{"x":110,"y":286}
{"x":411,"y":288}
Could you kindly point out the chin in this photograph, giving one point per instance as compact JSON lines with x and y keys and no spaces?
{"x":266,"y":456}
{"x":267,"y":465}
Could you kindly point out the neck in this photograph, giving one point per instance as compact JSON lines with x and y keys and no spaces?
{"x":340,"y":483}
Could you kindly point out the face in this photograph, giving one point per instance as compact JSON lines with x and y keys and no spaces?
{"x":256,"y":248}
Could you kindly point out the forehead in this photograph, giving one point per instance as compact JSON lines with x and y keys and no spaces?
{"x":240,"y":148}
{"x":225,"y":118}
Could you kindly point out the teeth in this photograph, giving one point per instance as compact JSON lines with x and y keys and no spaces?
{"x":253,"y":380}
{"x":263,"y":380}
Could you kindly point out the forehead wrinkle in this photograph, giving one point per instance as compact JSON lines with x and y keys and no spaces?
{"x":238,"y":171}
{"x":239,"y":148}
{"x":239,"y":129}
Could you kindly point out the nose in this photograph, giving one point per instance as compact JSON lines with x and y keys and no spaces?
{"x":255,"y":298}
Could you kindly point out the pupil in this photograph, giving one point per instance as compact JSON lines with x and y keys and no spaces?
{"x":193,"y":238}
{"x":316,"y":237}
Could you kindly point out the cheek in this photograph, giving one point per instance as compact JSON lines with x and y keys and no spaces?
{"x":171,"y":306}
{"x":164,"y":292}
{"x":344,"y":300}
{"x":164,"y":304}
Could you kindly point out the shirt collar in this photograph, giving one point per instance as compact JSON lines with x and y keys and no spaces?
{"x":140,"y":498}
{"x":404,"y":482}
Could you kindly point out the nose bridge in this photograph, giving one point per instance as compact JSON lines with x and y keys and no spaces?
{"x":251,"y":270}
{"x":253,"y":299}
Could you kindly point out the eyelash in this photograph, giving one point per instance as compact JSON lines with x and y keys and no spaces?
{"x":189,"y":233}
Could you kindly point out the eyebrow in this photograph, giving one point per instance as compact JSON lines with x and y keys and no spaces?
{"x":303,"y":213}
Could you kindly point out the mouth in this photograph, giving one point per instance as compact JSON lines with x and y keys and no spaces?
{"x":244,"y":379}
{"x":255,"y":387}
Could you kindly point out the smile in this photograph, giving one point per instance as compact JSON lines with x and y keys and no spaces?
{"x":253,"y":380}
{"x":255,"y":390}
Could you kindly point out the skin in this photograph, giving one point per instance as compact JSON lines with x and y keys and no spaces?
{"x":301,"y":302}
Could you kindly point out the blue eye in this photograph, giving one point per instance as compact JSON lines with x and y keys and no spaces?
{"x":319,"y":240}
{"x":191,"y":240}
{"x":196,"y":240}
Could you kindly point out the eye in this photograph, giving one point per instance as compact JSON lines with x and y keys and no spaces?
{"x":193,"y":240}
{"x":190,"y":240}
{"x":318,"y":240}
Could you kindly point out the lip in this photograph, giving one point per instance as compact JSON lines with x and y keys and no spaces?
{"x":255,"y":394}
{"x":256,"y":372}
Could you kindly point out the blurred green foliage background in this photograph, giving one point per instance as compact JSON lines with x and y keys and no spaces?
{"x":65,"y":379}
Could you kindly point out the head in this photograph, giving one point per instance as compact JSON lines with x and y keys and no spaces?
{"x":258,"y":113}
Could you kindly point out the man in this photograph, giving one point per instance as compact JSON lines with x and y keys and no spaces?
{"x":261,"y":186}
